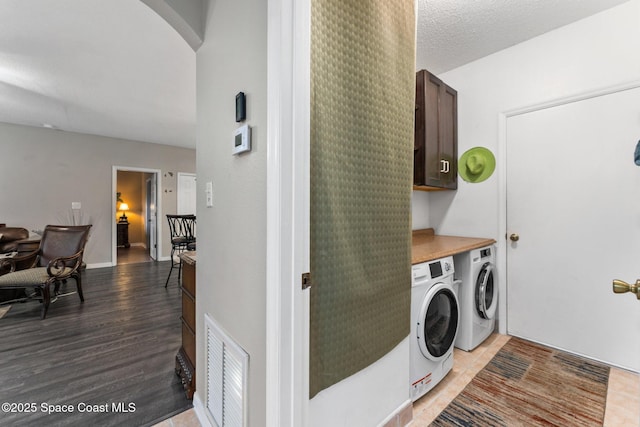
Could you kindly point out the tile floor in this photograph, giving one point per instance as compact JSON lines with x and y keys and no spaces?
{"x":185,"y":419}
{"x":623,"y":396}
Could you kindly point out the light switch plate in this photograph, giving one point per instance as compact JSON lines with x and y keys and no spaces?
{"x":76,"y":205}
{"x":209,"y":194}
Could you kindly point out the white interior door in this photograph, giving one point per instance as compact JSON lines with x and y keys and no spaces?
{"x":186,"y":193}
{"x":573,"y":197}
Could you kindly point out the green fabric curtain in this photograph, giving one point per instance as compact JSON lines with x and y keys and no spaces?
{"x":362,"y":113}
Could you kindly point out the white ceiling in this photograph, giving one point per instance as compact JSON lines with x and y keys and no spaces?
{"x":115,"y":68}
{"x":455,"y":32}
{"x":105,"y":67}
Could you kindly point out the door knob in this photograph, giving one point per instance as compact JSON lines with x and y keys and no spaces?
{"x":514,"y":237}
{"x":620,"y":287}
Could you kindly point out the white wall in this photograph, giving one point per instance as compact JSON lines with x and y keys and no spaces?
{"x":231,"y":269}
{"x":42,"y":171}
{"x":593,"y":53}
{"x":420,"y":210}
{"x":365,"y":398}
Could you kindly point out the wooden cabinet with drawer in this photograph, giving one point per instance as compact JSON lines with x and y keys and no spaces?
{"x":186,"y":357}
{"x":123,"y":234}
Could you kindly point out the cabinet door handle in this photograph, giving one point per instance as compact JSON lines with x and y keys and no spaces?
{"x":445,"y":166}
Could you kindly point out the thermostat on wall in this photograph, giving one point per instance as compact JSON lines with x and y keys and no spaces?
{"x":242,"y":139}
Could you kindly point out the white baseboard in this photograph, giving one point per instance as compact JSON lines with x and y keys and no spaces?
{"x":99,"y":265}
{"x":201,"y":411}
{"x":401,"y":417}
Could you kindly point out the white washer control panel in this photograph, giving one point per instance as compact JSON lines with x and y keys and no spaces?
{"x":432,"y":269}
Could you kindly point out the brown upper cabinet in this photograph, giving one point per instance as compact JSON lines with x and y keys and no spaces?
{"x":435,"y":151}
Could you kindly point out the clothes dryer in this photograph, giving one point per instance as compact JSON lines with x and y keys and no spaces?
{"x":435,"y":316}
{"x":478,"y":296}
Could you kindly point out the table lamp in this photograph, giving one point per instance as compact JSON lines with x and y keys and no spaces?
{"x":124,"y":208}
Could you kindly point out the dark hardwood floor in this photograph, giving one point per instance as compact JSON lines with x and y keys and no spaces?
{"x":116,"y":348}
{"x":133,"y":255}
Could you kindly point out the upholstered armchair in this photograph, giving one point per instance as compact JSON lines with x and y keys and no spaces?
{"x":10,"y":238}
{"x":58,"y":258}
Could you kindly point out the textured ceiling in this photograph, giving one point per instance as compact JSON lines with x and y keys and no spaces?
{"x":455,"y":32}
{"x":115,"y":68}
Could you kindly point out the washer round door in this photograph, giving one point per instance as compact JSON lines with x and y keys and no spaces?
{"x":486,"y":293}
{"x":438,"y":321}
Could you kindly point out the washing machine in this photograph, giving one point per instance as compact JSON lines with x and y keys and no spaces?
{"x":478,"y":296}
{"x":435,"y":316}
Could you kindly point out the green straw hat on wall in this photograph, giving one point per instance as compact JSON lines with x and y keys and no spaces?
{"x":476,"y":164}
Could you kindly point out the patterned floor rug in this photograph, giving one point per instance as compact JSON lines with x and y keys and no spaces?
{"x":527,"y":384}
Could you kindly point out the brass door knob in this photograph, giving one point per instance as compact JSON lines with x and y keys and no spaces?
{"x":514,"y":237}
{"x":621,"y":287}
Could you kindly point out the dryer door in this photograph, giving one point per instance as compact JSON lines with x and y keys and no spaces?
{"x":438,"y":322}
{"x":486,"y":300}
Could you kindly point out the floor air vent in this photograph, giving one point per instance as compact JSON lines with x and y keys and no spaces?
{"x":227,"y":365}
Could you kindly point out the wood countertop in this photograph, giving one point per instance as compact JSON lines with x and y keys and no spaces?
{"x":188,"y":256}
{"x":427,"y":246}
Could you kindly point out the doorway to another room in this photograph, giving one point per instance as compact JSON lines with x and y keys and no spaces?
{"x":136,"y":216}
